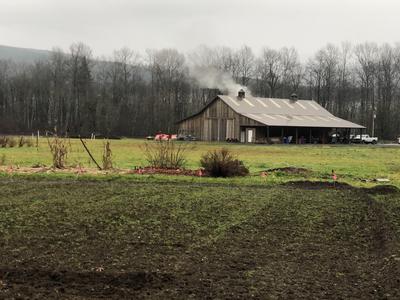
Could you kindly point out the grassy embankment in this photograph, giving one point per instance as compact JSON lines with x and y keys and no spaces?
{"x":351,"y":163}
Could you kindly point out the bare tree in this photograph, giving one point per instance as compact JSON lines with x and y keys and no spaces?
{"x":388,"y":75}
{"x":125,"y":95}
{"x":245,"y":59}
{"x":269,"y":69}
{"x":291,"y":71}
{"x":367,"y":58}
{"x":168,"y":71}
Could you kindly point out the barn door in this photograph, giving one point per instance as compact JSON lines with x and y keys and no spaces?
{"x":242,"y":136}
{"x":222,"y":130}
{"x":214,"y":130}
{"x":251,"y":135}
{"x":230,"y":129}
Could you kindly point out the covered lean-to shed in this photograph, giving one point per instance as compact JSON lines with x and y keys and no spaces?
{"x":264,"y":120}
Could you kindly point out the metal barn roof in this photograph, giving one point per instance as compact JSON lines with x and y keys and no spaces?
{"x":286,"y":112}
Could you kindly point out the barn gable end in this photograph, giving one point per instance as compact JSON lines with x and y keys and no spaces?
{"x":216,"y":122}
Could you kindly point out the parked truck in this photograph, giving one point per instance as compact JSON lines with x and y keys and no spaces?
{"x":365,"y":138}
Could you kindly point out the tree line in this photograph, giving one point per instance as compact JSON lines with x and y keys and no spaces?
{"x":133,"y":94}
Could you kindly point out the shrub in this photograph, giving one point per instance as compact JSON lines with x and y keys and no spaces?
{"x":59,"y":151}
{"x":222,"y":163}
{"x":21,"y":141}
{"x":165,"y":154}
{"x":29,"y":142}
{"x":11,"y":142}
{"x":3,"y":142}
{"x":107,"y":156}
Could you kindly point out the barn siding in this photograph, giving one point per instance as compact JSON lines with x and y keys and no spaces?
{"x":216,"y":123}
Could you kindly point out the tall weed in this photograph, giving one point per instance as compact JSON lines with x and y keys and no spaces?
{"x":165,"y":154}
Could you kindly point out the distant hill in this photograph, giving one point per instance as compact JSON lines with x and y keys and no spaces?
{"x":22,"y":55}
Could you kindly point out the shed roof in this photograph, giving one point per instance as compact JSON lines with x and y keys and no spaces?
{"x":284,"y":112}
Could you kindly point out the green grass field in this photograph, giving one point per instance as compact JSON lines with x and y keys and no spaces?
{"x":352,"y":163}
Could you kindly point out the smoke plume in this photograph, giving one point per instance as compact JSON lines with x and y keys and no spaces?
{"x":210,"y":77}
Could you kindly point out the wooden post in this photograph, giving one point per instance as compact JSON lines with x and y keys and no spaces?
{"x":267,"y":134}
{"x":90,"y":154}
{"x":337,"y":139}
{"x":348,"y":135}
{"x":282,"y":134}
{"x":361,"y":135}
{"x":310,"y":138}
{"x":297,"y":135}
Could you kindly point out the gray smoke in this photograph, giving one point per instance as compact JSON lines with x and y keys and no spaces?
{"x":211,"y":77}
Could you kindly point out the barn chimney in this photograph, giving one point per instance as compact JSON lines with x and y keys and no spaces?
{"x":241,"y":94}
{"x":294,"y":97}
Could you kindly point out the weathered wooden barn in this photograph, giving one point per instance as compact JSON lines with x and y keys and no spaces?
{"x":264,"y":120}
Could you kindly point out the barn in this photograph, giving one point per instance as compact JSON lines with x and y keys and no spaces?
{"x":250,"y":119}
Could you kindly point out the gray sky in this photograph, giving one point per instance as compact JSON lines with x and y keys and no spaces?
{"x":106,"y":25}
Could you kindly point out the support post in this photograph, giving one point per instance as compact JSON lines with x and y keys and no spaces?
{"x":297,"y":135}
{"x":268,"y":134}
{"x":337,"y":139}
{"x":310,"y":137}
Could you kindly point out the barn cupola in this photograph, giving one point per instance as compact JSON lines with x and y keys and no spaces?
{"x":294,"y":97}
{"x":241,"y":94}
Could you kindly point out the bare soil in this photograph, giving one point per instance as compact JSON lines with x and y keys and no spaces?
{"x":383,"y":189}
{"x":317,"y":185}
{"x":323,"y":185}
{"x":112,"y":240}
{"x":78,"y":170}
{"x":48,"y":283}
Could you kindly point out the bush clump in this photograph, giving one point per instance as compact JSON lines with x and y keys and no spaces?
{"x":29,"y":142}
{"x":11,"y":142}
{"x":59,"y":151}
{"x":107,"y":156}
{"x":3,"y":141}
{"x":25,"y":141}
{"x":165,"y":154}
{"x":21,"y":141}
{"x":222,"y":163}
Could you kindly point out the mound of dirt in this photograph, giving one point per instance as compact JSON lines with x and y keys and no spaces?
{"x":150,"y":171}
{"x":384,"y":189}
{"x":80,"y":170}
{"x":317,"y":185}
{"x":290,"y":170}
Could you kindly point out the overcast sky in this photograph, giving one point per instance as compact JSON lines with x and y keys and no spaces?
{"x":106,"y":25}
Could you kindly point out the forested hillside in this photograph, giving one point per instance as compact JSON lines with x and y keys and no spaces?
{"x":23,"y":55}
{"x":136,"y":94}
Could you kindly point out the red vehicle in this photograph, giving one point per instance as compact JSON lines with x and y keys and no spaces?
{"x":165,"y":137}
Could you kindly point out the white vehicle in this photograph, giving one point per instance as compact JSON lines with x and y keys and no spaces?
{"x":365,"y":138}
{"x":398,"y":140}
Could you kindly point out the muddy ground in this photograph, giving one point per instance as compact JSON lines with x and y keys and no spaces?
{"x":116,"y":240}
